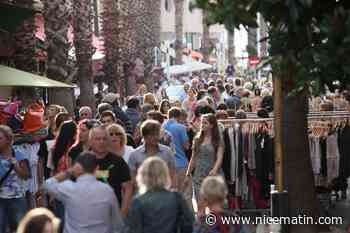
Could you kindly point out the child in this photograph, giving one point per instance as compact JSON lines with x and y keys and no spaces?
{"x":213,"y":193}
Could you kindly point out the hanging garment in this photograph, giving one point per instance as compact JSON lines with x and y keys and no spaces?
{"x":344,"y":151}
{"x":264,"y":157}
{"x":315,"y":154}
{"x":332,"y":157}
{"x":226,"y":163}
{"x":251,"y":151}
{"x":232,"y":136}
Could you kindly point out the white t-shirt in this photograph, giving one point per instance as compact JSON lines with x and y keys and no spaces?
{"x":127,"y":152}
{"x":50,"y":144}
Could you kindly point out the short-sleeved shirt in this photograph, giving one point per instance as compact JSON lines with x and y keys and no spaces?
{"x":180,"y":138}
{"x":140,"y":155}
{"x":114,"y":171}
{"x":13,"y":186}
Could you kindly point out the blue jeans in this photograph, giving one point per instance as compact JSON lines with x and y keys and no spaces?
{"x":11,"y":212}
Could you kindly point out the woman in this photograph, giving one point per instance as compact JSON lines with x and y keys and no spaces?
{"x":190,"y":102}
{"x":81,"y":144}
{"x":51,"y":114}
{"x":246,"y":101}
{"x":14,"y":172}
{"x":256,"y":101}
{"x":207,"y":153}
{"x":141,"y":92}
{"x":60,"y":158}
{"x":64,"y":141}
{"x":153,"y":210}
{"x":39,"y":220}
{"x":117,"y":139}
{"x":164,"y":107}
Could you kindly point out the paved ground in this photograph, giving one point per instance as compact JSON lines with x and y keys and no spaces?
{"x":340,"y":209}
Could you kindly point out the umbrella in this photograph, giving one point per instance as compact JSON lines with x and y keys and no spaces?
{"x":12,"y":16}
{"x":10,"y":77}
{"x":198,"y":66}
{"x":188,"y":67}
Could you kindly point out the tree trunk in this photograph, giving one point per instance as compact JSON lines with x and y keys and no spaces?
{"x":301,"y":188}
{"x":179,"y":12}
{"x":205,"y":38}
{"x":84,"y":51}
{"x":231,"y":47}
{"x":63,"y":97}
{"x":57,"y":15}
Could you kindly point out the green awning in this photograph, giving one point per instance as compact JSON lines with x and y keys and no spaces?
{"x":10,"y":77}
{"x":12,"y":16}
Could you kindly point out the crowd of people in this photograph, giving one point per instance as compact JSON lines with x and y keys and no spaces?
{"x":134,"y":168}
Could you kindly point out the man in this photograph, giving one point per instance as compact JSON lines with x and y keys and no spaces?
{"x":181,"y":141}
{"x":150,"y":131}
{"x":112,"y":168}
{"x":133,"y":111}
{"x":90,"y":205}
{"x":112,"y":99}
{"x":214,"y":94}
{"x":107,"y":118}
{"x":85,"y":112}
{"x":233,"y":101}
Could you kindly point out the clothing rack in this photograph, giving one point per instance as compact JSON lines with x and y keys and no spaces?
{"x":316,"y":116}
{"x":252,"y":115}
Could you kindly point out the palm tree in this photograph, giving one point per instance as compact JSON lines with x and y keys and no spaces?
{"x":83,"y":50}
{"x":110,"y":33}
{"x":148,"y":35}
{"x":57,"y":15}
{"x":179,"y":12}
{"x":205,"y":38}
{"x":25,"y":41}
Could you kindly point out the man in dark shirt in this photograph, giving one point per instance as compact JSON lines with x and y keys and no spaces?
{"x":112,"y":169}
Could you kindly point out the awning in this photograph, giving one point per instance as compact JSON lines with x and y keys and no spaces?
{"x":10,"y":77}
{"x":12,"y":16}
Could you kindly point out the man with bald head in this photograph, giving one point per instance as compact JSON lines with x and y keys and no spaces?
{"x":112,"y":168}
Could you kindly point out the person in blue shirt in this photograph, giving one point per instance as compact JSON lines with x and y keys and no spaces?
{"x":180,"y":138}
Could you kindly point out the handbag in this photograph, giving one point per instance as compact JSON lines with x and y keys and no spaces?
{"x":183,"y":223}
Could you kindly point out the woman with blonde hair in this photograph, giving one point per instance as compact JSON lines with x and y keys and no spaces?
{"x":39,"y":220}
{"x":153,"y":210}
{"x":117,"y":140}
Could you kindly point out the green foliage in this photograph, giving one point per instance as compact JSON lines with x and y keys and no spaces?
{"x":313,"y":35}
